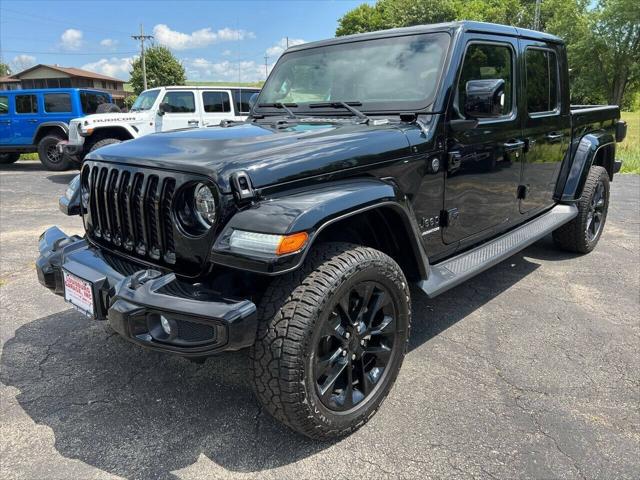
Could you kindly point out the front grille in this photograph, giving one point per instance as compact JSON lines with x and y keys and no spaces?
{"x":130,"y":210}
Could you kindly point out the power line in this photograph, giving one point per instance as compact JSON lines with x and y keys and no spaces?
{"x":142,"y":37}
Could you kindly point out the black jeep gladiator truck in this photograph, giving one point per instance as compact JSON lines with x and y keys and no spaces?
{"x":419,"y":155}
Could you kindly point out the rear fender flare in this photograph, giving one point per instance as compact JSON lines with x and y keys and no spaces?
{"x":584,"y":157}
{"x":45,"y":125}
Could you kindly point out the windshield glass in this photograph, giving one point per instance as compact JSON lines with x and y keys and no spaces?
{"x":145,"y":100}
{"x":382,"y":74}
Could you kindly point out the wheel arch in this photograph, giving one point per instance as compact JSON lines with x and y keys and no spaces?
{"x":368,"y":212}
{"x":119,"y":132}
{"x":596,"y":148}
{"x":47,"y":128}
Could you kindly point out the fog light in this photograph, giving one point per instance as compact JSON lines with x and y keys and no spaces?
{"x":166,"y":325}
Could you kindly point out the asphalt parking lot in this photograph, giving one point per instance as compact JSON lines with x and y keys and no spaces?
{"x":530,"y":370}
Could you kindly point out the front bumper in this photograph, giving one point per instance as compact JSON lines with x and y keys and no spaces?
{"x":134,"y":302}
{"x":66,"y":148}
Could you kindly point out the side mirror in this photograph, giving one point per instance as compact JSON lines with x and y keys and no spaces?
{"x":162,"y":109}
{"x":485,"y":98}
{"x":252,"y":100}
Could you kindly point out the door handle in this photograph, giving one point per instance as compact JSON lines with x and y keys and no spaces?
{"x":554,"y":136}
{"x":33,"y":120}
{"x":193,"y":122}
{"x":515,"y":145}
{"x":5,"y":122}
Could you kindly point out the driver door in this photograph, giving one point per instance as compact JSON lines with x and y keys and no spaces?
{"x":179,"y":107}
{"x":484,"y":163}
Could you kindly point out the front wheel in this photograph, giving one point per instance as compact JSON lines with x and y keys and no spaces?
{"x":581,"y":234}
{"x":331,"y":340}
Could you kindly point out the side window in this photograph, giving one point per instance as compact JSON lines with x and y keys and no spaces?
{"x":26,"y":104}
{"x":542,"y":80}
{"x":179,"y":102}
{"x":245,"y":95}
{"x":484,"y":62}
{"x":4,"y":105}
{"x":57,"y":102}
{"x":215,"y":102}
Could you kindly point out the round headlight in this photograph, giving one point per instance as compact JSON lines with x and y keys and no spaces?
{"x":205,"y":204}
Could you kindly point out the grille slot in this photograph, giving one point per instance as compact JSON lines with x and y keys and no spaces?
{"x":131,"y":211}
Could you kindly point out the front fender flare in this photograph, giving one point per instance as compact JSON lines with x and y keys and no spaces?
{"x":311,"y":210}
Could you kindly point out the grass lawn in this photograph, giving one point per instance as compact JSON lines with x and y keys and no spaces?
{"x":629,"y":150}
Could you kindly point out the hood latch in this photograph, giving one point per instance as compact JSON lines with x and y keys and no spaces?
{"x":241,"y":186}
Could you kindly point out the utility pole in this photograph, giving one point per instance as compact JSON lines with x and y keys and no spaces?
{"x":142,"y":37}
{"x":266,"y":70}
{"x":536,"y":17}
{"x":287,"y":42}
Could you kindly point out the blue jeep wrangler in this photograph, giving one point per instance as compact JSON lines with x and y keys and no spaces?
{"x":36,"y":120}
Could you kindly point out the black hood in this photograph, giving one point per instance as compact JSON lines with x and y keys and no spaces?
{"x":268,"y":154}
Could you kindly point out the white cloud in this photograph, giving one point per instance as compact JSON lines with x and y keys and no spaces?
{"x":227,"y":53}
{"x":279,"y":48}
{"x":71,"y":39}
{"x":22,"y":62}
{"x":114,"y":67}
{"x":108,"y":42}
{"x":199,"y":38}
{"x":203,"y":69}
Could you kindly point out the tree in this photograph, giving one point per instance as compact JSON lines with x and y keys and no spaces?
{"x":4,"y":69}
{"x":163,"y":69}
{"x":602,"y":36}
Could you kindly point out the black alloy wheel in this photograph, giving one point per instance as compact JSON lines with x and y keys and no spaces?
{"x":595,"y":216}
{"x":355,"y":347}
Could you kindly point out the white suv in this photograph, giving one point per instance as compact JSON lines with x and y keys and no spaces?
{"x":158,"y":110}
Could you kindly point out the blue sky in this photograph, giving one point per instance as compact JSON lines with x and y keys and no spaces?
{"x":213,"y":39}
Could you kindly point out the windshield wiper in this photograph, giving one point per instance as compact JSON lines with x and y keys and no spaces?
{"x":363,"y":118}
{"x":282,"y":106}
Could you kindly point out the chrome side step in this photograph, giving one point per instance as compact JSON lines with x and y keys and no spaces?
{"x":453,"y":271}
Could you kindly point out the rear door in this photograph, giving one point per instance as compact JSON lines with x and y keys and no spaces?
{"x":26,"y":119}
{"x":483,"y":170}
{"x":216,"y":106}
{"x":180,"y":110}
{"x":5,"y":119}
{"x":546,"y":124}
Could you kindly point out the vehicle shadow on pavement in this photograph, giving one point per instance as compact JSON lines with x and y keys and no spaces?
{"x":143,"y":414}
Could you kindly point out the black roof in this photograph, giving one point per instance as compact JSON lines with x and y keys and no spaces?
{"x":451,"y":27}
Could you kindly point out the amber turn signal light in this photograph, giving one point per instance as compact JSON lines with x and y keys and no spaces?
{"x":292,"y":243}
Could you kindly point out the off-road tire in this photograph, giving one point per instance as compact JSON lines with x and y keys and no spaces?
{"x":108,"y":108}
{"x":45,"y":147}
{"x":7,"y":158}
{"x":573,"y":236}
{"x":104,"y":142}
{"x":289,"y":313}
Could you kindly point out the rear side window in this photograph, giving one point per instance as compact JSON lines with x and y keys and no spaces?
{"x":241,"y":99}
{"x":26,"y":104}
{"x":542,"y":80}
{"x":487,"y":62}
{"x":216,"y":102}
{"x":57,"y":102}
{"x":91,"y":100}
{"x":4,"y":105}
{"x":179,"y":102}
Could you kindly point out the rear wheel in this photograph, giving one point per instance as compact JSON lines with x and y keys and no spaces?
{"x":7,"y":158}
{"x":331,"y":340}
{"x":583,"y":232}
{"x":49,"y":155}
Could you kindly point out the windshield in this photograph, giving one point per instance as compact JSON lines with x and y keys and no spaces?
{"x":382,"y":74}
{"x":145,"y":100}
